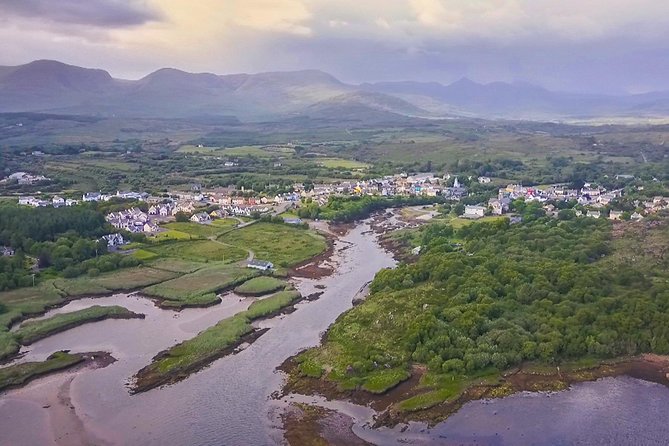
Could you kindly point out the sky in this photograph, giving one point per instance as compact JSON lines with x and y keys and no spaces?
{"x":595,"y":46}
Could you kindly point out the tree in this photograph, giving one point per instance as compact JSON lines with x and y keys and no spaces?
{"x":182,"y":217}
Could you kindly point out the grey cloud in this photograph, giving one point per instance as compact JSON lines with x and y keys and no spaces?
{"x":100,"y":13}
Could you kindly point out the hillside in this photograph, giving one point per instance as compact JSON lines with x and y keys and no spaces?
{"x":54,"y":87}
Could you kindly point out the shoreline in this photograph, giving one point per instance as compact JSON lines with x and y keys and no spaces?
{"x":141,"y":385}
{"x":306,"y":424}
{"x":74,"y":324}
{"x":528,"y":377}
{"x":90,"y":360}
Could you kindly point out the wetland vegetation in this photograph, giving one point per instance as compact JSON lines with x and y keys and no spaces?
{"x":180,"y":361}
{"x":490,"y":296}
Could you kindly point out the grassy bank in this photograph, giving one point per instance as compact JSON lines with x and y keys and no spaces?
{"x":18,"y":375}
{"x":178,"y":362}
{"x":198,"y":251}
{"x":32,"y":331}
{"x":19,"y":304}
{"x":280,"y":244}
{"x":122,"y":280}
{"x":200,"y":287}
{"x":259,"y":286}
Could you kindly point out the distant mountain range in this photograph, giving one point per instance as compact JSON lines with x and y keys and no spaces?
{"x":54,"y":87}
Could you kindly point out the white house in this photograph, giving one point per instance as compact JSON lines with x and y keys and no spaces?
{"x":593,"y":214}
{"x":615,"y":215}
{"x":474,"y":211}
{"x":150,"y":227}
{"x":114,"y":240}
{"x":260,"y":264}
{"x":92,"y":196}
{"x":201,"y":217}
{"x":58,"y":201}
{"x":27,"y":201}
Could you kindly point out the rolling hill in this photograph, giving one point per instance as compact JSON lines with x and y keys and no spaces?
{"x":53,"y":87}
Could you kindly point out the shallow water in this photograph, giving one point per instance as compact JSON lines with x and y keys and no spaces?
{"x":610,"y":411}
{"x":229,"y":402}
{"x":225,"y":404}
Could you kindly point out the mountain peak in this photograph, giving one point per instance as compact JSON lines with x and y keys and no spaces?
{"x":53,"y":74}
{"x":465,"y":82}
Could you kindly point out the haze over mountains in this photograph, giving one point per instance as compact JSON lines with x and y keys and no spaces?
{"x":54,"y":87}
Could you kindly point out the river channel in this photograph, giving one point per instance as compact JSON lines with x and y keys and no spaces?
{"x":228,"y":403}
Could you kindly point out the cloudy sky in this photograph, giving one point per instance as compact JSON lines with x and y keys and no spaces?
{"x":576,"y":45}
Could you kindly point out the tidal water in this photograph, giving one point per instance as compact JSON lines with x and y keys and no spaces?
{"x":228,"y":403}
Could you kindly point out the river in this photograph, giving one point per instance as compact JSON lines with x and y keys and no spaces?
{"x":609,"y":411}
{"x":228,"y":403}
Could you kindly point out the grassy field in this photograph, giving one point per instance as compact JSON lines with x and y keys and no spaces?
{"x":176,"y":265}
{"x":17,"y":375}
{"x":247,"y":150}
{"x":121,"y":280}
{"x":194,"y":149}
{"x":144,"y":255}
{"x":202,"y":231}
{"x":340,"y":163}
{"x":185,"y":358}
{"x":170,"y":234}
{"x":27,"y":301}
{"x":199,"y":288}
{"x":199,"y":251}
{"x":259,"y":286}
{"x":280,"y":244}
{"x":32,"y":331}
{"x":459,"y":222}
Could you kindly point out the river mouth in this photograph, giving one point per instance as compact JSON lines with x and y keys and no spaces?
{"x":226,"y":403}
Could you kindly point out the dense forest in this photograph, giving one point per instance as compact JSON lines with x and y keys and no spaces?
{"x":63,"y":240}
{"x":347,"y":209}
{"x":493,"y":295}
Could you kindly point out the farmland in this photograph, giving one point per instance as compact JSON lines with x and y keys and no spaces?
{"x":200,"y":287}
{"x":280,"y":244}
{"x":199,"y":251}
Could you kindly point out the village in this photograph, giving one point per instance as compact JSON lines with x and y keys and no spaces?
{"x":203,"y":206}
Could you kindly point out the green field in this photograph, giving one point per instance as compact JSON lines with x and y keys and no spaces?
{"x":120,"y":280}
{"x":203,"y":231}
{"x":280,"y":244}
{"x":259,"y":286}
{"x":199,"y":251}
{"x":340,"y":163}
{"x":170,"y":234}
{"x":189,"y":148}
{"x":32,"y":331}
{"x":28,"y":301}
{"x":247,"y":150}
{"x":190,"y":356}
{"x":176,"y":265}
{"x":199,"y":288}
